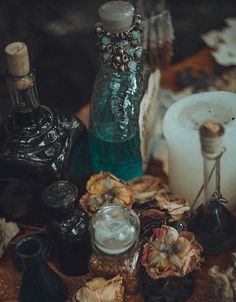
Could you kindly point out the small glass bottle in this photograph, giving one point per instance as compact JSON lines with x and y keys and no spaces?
{"x":67,"y":229}
{"x":212,"y":223}
{"x":114,"y":127}
{"x":39,"y":282}
{"x":115,"y":240}
{"x":38,"y":146}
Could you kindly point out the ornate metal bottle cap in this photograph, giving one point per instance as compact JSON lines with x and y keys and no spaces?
{"x":116,"y":16}
{"x":212,"y":138}
{"x":119,"y":36}
{"x":17,"y":59}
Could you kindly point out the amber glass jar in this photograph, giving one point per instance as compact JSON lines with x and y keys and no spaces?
{"x":68,"y":229}
{"x":115,"y":240}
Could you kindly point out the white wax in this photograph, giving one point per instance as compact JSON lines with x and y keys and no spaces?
{"x":180,"y":126}
{"x":115,"y":235}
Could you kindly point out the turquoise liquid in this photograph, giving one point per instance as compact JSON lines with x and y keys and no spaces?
{"x":123,"y":159}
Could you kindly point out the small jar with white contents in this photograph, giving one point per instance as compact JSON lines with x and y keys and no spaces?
{"x":115,"y":241}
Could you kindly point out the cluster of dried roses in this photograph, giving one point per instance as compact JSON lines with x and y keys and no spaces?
{"x":166,"y":252}
{"x":105,"y":188}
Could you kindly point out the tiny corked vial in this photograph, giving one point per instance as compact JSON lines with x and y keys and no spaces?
{"x":67,"y":229}
{"x":212,"y":223}
{"x":115,"y":241}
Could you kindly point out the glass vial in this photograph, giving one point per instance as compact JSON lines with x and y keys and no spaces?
{"x":39,"y":282}
{"x":212,"y":223}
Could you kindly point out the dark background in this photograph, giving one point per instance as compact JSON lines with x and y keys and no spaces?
{"x":62,"y":44}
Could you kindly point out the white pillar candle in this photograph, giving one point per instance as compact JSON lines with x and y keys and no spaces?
{"x":180,"y":126}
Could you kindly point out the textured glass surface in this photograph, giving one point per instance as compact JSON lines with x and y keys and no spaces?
{"x":67,"y":229}
{"x":38,"y":147}
{"x":114,"y":129}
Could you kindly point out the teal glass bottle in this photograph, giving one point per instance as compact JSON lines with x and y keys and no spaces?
{"x":39,"y":282}
{"x":114,"y":128}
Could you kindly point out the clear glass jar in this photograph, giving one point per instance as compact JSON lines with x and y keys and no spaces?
{"x":115,"y":240}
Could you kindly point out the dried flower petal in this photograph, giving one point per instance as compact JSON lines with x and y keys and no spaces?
{"x":149,"y":188}
{"x":8,"y":231}
{"x":146,"y":186}
{"x":100,"y":289}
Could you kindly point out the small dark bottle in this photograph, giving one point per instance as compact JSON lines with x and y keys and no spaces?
{"x":212,"y":223}
{"x":68,"y":229}
{"x":39,"y":282}
{"x":38,"y":145}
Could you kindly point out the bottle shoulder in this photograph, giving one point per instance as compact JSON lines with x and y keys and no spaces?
{"x":71,"y":228}
{"x":53,"y":124}
{"x":43,"y":147}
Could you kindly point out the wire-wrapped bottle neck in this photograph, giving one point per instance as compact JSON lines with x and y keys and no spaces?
{"x":212,"y":146}
{"x":121,"y":50}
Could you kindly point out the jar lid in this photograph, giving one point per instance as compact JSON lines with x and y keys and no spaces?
{"x":60,"y":194}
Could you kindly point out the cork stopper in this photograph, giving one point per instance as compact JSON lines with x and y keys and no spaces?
{"x":212,"y":138}
{"x":17,"y":59}
{"x":116,"y":16}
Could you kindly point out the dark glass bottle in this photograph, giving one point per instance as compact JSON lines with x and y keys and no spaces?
{"x":114,"y":126}
{"x":38,"y":145}
{"x":39,"y":282}
{"x":68,"y":229}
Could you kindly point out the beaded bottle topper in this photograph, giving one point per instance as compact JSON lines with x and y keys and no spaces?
{"x":121,"y":50}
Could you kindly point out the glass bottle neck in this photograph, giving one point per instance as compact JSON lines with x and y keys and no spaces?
{"x":24,"y":98}
{"x":211,"y":177}
{"x":32,"y":261}
{"x":64,"y":212}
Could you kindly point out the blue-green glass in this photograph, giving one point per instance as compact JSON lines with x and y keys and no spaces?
{"x":114,"y":129}
{"x":39,"y":282}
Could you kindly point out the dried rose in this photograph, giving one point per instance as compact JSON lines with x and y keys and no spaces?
{"x":105,"y":188}
{"x":149,"y":188}
{"x":176,"y":206}
{"x":224,"y":281}
{"x":168,"y":253}
{"x":100,"y":289}
{"x":145,"y":187}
